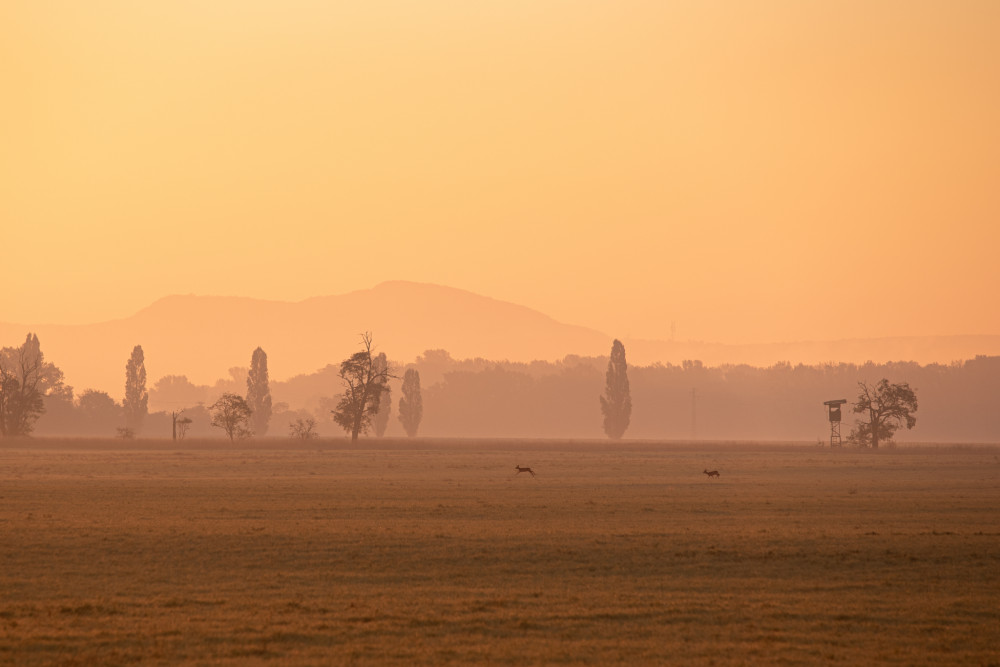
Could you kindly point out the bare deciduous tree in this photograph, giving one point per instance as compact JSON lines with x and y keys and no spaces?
{"x":175,"y":419}
{"x":364,"y":384}
{"x":303,"y":428}
{"x":25,"y":380}
{"x":182,"y":427}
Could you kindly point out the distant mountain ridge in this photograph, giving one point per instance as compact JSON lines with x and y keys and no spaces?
{"x":203,"y":336}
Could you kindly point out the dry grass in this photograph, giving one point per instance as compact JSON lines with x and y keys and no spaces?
{"x":317,"y":554}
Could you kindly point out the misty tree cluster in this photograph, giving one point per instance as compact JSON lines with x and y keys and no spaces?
{"x":381,"y":419}
{"x":442,"y":396}
{"x":303,"y":428}
{"x":26,"y":380}
{"x":411,"y":404}
{"x":30,"y":387}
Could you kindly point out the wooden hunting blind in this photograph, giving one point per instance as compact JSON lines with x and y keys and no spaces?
{"x":834,"y":409}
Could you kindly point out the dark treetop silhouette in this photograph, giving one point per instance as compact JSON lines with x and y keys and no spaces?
{"x":616,"y":404}
{"x":888,"y":407}
{"x":364,"y":384}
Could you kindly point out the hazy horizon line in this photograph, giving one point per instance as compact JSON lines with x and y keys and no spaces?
{"x":628,"y":337}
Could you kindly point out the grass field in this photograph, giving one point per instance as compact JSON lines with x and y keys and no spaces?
{"x":436,"y":553}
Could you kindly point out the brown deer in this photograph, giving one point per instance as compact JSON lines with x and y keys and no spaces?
{"x":711,"y":473}
{"x":519,"y":470}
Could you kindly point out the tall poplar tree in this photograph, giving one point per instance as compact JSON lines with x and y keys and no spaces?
{"x":381,"y":420}
{"x":136,"y":403}
{"x":259,"y":392}
{"x":411,"y":405}
{"x":616,"y":404}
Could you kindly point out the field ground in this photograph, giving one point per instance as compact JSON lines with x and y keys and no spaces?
{"x":425,"y":553}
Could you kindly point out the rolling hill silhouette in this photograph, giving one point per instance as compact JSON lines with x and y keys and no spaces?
{"x":203,"y":336}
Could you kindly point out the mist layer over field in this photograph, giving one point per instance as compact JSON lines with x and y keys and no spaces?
{"x":437,"y":552}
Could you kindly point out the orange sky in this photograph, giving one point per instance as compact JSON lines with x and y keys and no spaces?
{"x":753,"y":171}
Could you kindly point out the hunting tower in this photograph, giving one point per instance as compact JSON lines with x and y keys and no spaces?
{"x":834,"y":407}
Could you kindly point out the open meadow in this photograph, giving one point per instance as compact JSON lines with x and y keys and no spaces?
{"x":436,"y":552}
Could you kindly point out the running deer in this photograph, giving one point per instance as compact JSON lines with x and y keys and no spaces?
{"x":711,"y":473}
{"x":519,"y":470}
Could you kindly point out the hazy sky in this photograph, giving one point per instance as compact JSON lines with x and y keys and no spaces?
{"x":753,"y":171}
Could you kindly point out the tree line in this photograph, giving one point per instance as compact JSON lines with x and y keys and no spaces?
{"x":685,"y":401}
{"x":30,"y":387}
{"x":570,"y":398}
{"x":885,"y":407}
